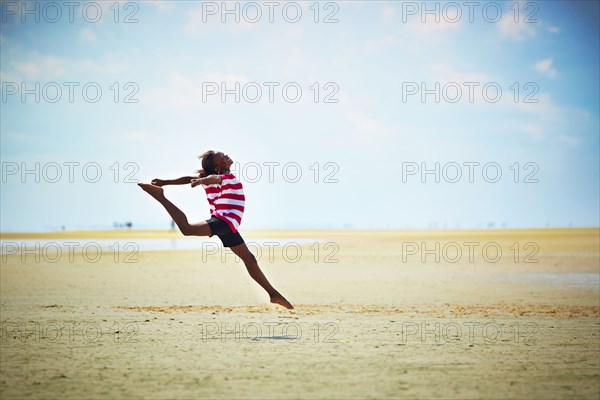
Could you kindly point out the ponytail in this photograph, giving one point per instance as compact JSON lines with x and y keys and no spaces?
{"x":208,"y":164}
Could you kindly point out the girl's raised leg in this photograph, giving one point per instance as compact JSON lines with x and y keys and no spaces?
{"x":255,"y":272}
{"x":199,"y":229}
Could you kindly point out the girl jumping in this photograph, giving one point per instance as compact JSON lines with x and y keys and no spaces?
{"x":226,"y":198}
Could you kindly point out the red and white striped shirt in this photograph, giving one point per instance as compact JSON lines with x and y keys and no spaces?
{"x":227,"y":200}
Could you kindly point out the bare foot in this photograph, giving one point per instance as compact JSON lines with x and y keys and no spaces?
{"x":154,"y":191}
{"x":279,"y":299}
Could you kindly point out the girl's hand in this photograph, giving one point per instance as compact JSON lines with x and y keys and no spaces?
{"x":195,"y":182}
{"x":158,"y":182}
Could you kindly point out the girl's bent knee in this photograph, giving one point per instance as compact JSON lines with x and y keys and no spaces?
{"x":186,"y":231}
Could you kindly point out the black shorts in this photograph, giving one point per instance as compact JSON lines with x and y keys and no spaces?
{"x":223,"y":231}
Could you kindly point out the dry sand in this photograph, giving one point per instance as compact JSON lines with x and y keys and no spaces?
{"x":373,"y":319}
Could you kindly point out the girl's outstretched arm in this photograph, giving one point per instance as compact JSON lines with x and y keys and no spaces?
{"x":184,"y":180}
{"x":208,"y":180}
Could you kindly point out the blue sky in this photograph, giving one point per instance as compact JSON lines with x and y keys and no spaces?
{"x":171,"y":53}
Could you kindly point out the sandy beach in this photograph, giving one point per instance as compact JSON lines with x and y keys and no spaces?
{"x":498,"y":314}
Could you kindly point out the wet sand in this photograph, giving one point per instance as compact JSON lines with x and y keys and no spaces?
{"x":379,"y":314}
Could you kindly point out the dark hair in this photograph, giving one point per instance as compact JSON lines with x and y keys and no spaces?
{"x":208,"y":164}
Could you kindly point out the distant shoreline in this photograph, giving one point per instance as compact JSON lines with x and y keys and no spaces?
{"x":164,"y":233}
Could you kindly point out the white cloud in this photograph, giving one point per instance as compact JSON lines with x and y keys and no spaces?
{"x":195,"y":22}
{"x":44,"y":66}
{"x":30,"y":70}
{"x":535,"y":132}
{"x":8,"y":76}
{"x":445,"y":73}
{"x":548,"y":121}
{"x":545,"y":67}
{"x":87,"y":36}
{"x":517,"y":31}
{"x":387,"y":14}
{"x":36,"y":66}
{"x":570,"y":140}
{"x":553,"y":29}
